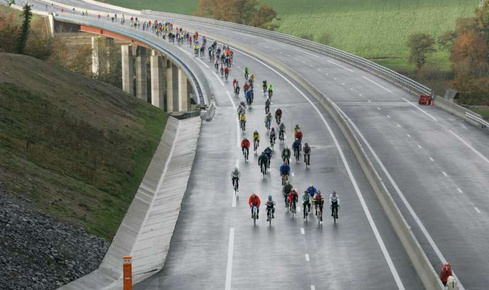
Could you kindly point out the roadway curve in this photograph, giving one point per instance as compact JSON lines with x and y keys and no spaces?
{"x":436,"y":167}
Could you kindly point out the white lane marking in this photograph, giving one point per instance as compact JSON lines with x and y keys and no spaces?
{"x":408,"y":135}
{"x":237,"y":122}
{"x":403,"y":198}
{"x":203,"y":63}
{"x":229,"y":268}
{"x":306,"y":52}
{"x":293,"y":174}
{"x":379,"y":109}
{"x":434,"y":119}
{"x":313,"y":287}
{"x":468,"y":145}
{"x":218,"y":78}
{"x":464,"y":127}
{"x":343,"y":83}
{"x":233,"y":204}
{"x":459,"y":190}
{"x":302,"y":231}
{"x":307,"y":258}
{"x":398,"y":125}
{"x":477,"y":210}
{"x":368,"y":100}
{"x":379,"y":85}
{"x":334,"y":78}
{"x":444,"y":173}
{"x":370,"y":219}
{"x":419,"y":146}
{"x":311,"y":65}
{"x":237,"y":163}
{"x":432,"y":159}
{"x":337,"y":64}
{"x":388,"y":116}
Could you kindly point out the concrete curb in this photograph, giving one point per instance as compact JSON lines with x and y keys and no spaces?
{"x":147,"y":229}
{"x":414,"y":250}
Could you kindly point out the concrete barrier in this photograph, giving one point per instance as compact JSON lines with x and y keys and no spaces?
{"x":416,"y":254}
{"x":147,"y":228}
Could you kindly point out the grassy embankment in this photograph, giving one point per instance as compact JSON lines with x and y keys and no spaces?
{"x":375,"y":29}
{"x":74,"y":147}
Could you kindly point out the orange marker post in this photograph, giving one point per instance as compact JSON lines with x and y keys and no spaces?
{"x":127,"y":274}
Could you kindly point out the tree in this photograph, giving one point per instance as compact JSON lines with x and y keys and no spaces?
{"x":420,"y":45}
{"x":248,"y":12}
{"x":24,"y":31}
{"x":445,"y":41}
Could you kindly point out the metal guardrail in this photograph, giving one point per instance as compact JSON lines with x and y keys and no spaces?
{"x":179,"y":57}
{"x":484,"y":124}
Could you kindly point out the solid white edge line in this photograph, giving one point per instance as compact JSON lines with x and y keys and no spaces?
{"x":375,"y":83}
{"x":471,"y":148}
{"x":237,"y":122}
{"x":372,"y":224}
{"x":229,"y":268}
{"x":433,"y":118}
{"x":337,"y":64}
{"x":203,"y":63}
{"x":306,"y":52}
{"x":307,"y":258}
{"x":218,"y":78}
{"x":477,"y":210}
{"x":403,"y":198}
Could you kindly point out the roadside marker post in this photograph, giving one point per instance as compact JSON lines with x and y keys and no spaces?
{"x":127,"y":274}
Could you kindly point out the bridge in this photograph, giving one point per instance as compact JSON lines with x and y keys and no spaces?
{"x":412,"y":179}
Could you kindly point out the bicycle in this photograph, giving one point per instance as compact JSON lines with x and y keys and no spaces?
{"x":319,"y":213}
{"x":278,"y":119}
{"x":293,"y":207}
{"x":334,"y":212}
{"x":263,"y":168}
{"x":270,"y":94}
{"x":236,"y":185}
{"x":306,"y":211}
{"x":254,"y":214}
{"x":281,"y":135}
{"x":268,"y":124}
{"x":297,"y":154}
{"x":226,"y":75}
{"x":264,"y":90}
{"x":272,"y":141}
{"x":307,"y":159}
{"x":242,"y":125}
{"x":246,"y":76}
{"x":269,"y":215}
{"x":285,"y":178}
{"x":256,"y":143}
{"x":246,"y":153}
{"x":236,"y":91}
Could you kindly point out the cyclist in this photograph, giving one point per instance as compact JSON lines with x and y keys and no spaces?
{"x":293,"y":198}
{"x":235,"y":175}
{"x":334,"y":202}
{"x":267,"y":105}
{"x":236,"y":90}
{"x":256,"y":139}
{"x":264,"y":86}
{"x":249,"y":96}
{"x":278,"y":115}
{"x":254,"y":201}
{"x":306,"y":203}
{"x":246,"y":87}
{"x":235,"y":83}
{"x":270,"y":206}
{"x":296,"y":146}
{"x":311,"y":190}
{"x":307,"y":153}
{"x":226,"y":72}
{"x":297,"y":132}
{"x":318,"y":201}
{"x":241,"y":109}
{"x":263,"y":161}
{"x":272,"y":136}
{"x":270,"y":91}
{"x":246,"y":71}
{"x":268,"y":152}
{"x":286,"y":190}
{"x":245,"y":146}
{"x":242,"y":121}
{"x":268,"y":120}
{"x":286,"y":155}
{"x":284,"y":169}
{"x":196,"y":49}
{"x":281,"y":133}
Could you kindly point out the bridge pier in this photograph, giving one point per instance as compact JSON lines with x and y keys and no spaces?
{"x":141,"y":74}
{"x":157,"y":91}
{"x":184,"y":89}
{"x":95,"y":55}
{"x":127,"y":69}
{"x":171,"y":87}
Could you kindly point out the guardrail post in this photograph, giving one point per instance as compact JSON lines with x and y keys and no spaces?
{"x":127,"y":69}
{"x":127,"y":272}
{"x":141,"y":74}
{"x":157,"y":93}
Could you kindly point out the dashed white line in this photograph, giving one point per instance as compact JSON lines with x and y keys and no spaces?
{"x":218,"y":78}
{"x":302,"y":231}
{"x":419,"y":146}
{"x":459,"y":190}
{"x":334,"y":78}
{"x":379,"y":85}
{"x":433,"y":118}
{"x":398,"y":125}
{"x":408,"y":135}
{"x":444,"y":173}
{"x":203,"y":63}
{"x":368,"y":100}
{"x":477,"y":210}
{"x":388,"y":116}
{"x":292,"y":174}
{"x":379,"y":109}
{"x":432,"y":159}
{"x":313,"y":287}
{"x":471,"y":148}
{"x":307,"y":258}
{"x":229,"y":268}
{"x":337,"y":64}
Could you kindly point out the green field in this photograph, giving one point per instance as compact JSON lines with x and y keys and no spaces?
{"x":375,"y":29}
{"x":76,"y":148}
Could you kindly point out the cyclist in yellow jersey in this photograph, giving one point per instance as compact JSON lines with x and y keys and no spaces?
{"x":256,"y":136}
{"x":242,"y":118}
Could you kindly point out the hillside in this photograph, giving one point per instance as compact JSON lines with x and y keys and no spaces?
{"x":376,"y":29}
{"x":75,"y":148}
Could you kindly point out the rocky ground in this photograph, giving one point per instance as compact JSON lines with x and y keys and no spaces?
{"x":37,"y":252}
